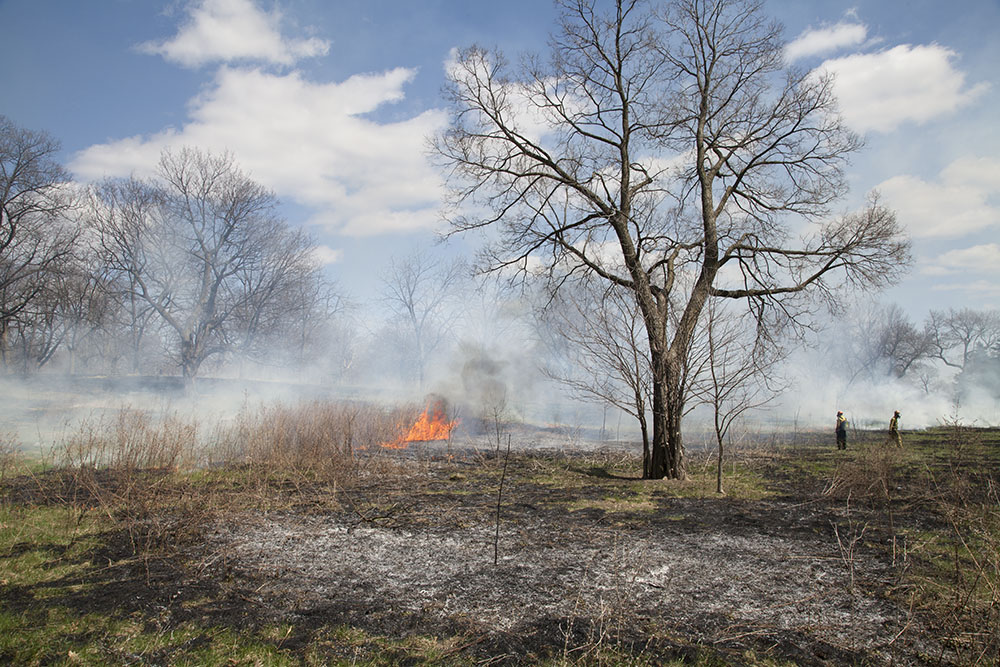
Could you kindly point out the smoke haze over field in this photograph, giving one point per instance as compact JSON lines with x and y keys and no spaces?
{"x":490,"y":374}
{"x":817,"y":392}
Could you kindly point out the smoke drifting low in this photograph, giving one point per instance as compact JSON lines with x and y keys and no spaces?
{"x":818,"y":390}
{"x":489,"y":370}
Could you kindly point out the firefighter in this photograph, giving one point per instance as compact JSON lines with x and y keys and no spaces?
{"x":894,"y":430}
{"x":841,"y":430}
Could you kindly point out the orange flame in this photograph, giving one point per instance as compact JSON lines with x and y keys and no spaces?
{"x":431,"y":425}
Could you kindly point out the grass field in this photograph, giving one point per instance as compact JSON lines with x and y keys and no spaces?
{"x":289,"y":537}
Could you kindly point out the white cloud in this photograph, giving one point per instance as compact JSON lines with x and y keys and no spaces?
{"x":823,"y":40}
{"x":977,"y":259}
{"x":325,"y":255}
{"x":880,"y":91}
{"x":309,"y":142}
{"x":958,"y":204}
{"x":525,"y":110}
{"x":232,"y":30}
{"x":979,"y":288}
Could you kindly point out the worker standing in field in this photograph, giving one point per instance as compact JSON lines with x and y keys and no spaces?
{"x":894,"y":430}
{"x":841,"y":430}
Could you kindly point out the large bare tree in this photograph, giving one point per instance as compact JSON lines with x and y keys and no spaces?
{"x":956,"y":334}
{"x":657,"y":145}
{"x":36,"y":238}
{"x":202,"y":247}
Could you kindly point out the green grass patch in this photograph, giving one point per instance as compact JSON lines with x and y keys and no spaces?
{"x":44,"y":544}
{"x":64,"y":637}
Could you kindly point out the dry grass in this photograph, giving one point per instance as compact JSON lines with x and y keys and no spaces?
{"x":10,"y":455}
{"x":956,"y":574}
{"x":163,"y":480}
{"x":316,"y":440}
{"x":130,"y":439}
{"x":935,"y":507}
{"x":162,"y":484}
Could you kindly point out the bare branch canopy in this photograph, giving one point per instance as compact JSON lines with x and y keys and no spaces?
{"x":668,"y":150}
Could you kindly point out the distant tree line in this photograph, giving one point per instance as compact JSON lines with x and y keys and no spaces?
{"x":953,"y":347}
{"x":155,"y":275}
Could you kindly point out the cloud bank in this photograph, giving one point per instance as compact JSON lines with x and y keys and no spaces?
{"x":313,"y":143}
{"x":823,"y":40}
{"x":961,"y":202}
{"x":881,"y":91}
{"x":232,"y":30}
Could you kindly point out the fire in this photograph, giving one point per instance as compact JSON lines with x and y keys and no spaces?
{"x":432,"y":424}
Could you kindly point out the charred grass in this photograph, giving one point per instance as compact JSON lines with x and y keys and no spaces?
{"x":289,"y":536}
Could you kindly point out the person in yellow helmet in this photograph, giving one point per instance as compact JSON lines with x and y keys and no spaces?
{"x":841,"y":430}
{"x":894,"y":430}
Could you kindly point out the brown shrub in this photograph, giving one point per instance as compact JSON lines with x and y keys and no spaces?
{"x":130,"y":439}
{"x":321,"y":440}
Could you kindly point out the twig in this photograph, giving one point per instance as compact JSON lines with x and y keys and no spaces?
{"x":496,"y":537}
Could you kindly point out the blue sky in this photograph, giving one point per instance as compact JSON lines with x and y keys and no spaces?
{"x":328,"y":103}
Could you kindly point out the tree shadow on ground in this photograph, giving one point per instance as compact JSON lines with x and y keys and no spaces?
{"x":602,"y":472}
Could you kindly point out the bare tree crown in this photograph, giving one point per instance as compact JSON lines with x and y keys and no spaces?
{"x":656,"y":147}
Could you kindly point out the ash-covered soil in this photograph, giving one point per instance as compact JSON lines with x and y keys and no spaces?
{"x":587,"y":560}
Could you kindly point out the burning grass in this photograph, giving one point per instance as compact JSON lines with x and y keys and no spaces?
{"x":432,"y":424}
{"x":288,"y":536}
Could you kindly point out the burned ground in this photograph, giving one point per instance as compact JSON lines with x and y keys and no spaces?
{"x":592,"y":565}
{"x":585,"y":560}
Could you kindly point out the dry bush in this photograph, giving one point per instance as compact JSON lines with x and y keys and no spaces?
{"x":10,"y":455}
{"x":126,"y":466}
{"x":958,"y":582}
{"x":941,"y":519}
{"x":869,"y":475}
{"x":123,"y":466}
{"x":130,"y":439}
{"x":317,"y":440}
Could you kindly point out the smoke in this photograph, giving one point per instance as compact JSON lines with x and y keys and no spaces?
{"x":822,"y":382}
{"x":488,"y":368}
{"x":40,"y":412}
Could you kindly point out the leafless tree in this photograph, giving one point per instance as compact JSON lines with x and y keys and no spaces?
{"x":123,"y":211}
{"x":607,"y":357}
{"x":83,"y":307}
{"x":873,"y":341}
{"x":740,"y":373}
{"x":421,"y":292}
{"x":900,"y":343}
{"x":657,"y":145}
{"x":38,"y":332}
{"x":280,"y":299}
{"x":203,"y":248}
{"x":320,"y":324}
{"x":955,"y":334}
{"x":36,"y":237}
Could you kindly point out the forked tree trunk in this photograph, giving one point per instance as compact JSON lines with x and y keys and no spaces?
{"x":667,"y":456}
{"x":190,"y":361}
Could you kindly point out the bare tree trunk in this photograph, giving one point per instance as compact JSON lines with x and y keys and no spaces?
{"x":668,"y":407}
{"x":644,"y":429}
{"x":718,"y":473}
{"x":3,"y":345}
{"x":189,"y":361}
{"x":720,"y":436}
{"x":675,"y":443}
